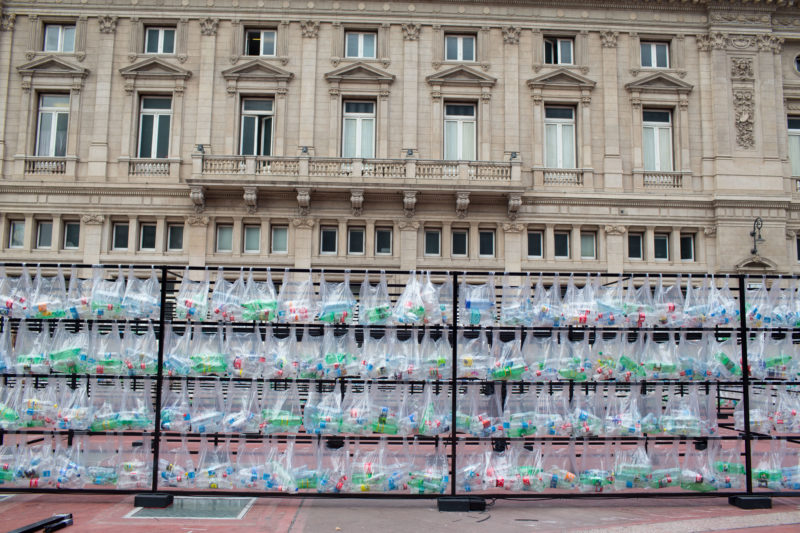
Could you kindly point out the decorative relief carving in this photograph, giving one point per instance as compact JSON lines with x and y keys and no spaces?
{"x":514,"y":203}
{"x":333,"y":91}
{"x":107,"y":23}
{"x":486,"y":96}
{"x":710,"y":231}
{"x":636,"y":101}
{"x":303,"y":223}
{"x":703,"y":42}
{"x":683,"y":101}
{"x":7,"y":21}
{"x":409,"y":203}
{"x":309,"y":28}
{"x":251,"y":199}
{"x":513,"y":228}
{"x":738,"y":18}
{"x":718,"y":40}
{"x":741,"y":42}
{"x":743,"y":106}
{"x":742,"y":68}
{"x":511,"y":34}
{"x":608,"y":38}
{"x":357,"y":201}
{"x":408,"y":224}
{"x":208,"y":26}
{"x":92,"y":219}
{"x":769,"y":43}
{"x":791,"y":234}
{"x":615,"y":230}
{"x":198,"y":198}
{"x":384,"y":95}
{"x":411,"y":31}
{"x":304,"y":200}
{"x":462,"y":204}
{"x":197,"y":220}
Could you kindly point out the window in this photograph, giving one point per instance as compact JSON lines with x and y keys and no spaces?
{"x":561,"y":244}
{"x":51,"y":136}
{"x":358,"y":130}
{"x":559,"y":129}
{"x":360,"y":44}
{"x":797,"y":245}
{"x":260,"y":43}
{"x":159,"y":41}
{"x":460,"y":238}
{"x":256,"y":136}
{"x":635,"y":246}
{"x":433,"y":242}
{"x":119,"y":236}
{"x":59,"y":38}
{"x":459,"y":47}
{"x":72,"y":235}
{"x":383,"y":241}
{"x":558,"y":51}
{"x":459,"y":131}
{"x":252,"y":239}
{"x":147,"y":237}
{"x":588,"y":250}
{"x":534,"y":244}
{"x":44,"y":234}
{"x":661,"y":247}
{"x":486,"y":243}
{"x":657,"y":140}
{"x":224,"y":238}
{"x":156,"y":113}
{"x":655,"y":55}
{"x":16,"y":234}
{"x":327,"y":240}
{"x":355,"y":241}
{"x":687,"y":247}
{"x":794,"y":145}
{"x":175,"y":237}
{"x":797,"y":63}
{"x":280,"y":239}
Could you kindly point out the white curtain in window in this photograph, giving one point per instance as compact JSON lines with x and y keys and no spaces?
{"x":467,"y":140}
{"x":657,"y":148}
{"x":567,"y":146}
{"x":794,"y":154}
{"x":649,"y":148}
{"x":367,"y":148}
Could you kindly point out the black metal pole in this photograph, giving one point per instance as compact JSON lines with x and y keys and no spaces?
{"x":748,"y":460}
{"x":159,"y":375}
{"x":454,"y":385}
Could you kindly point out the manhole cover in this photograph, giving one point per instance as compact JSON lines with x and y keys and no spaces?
{"x":204,"y":508}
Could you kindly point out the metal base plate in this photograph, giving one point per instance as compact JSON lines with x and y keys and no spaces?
{"x":461,"y":504}
{"x":751,"y":502}
{"x":153,"y":500}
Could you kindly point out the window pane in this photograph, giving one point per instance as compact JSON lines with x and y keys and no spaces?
{"x":794,"y":122}
{"x":224,"y":238}
{"x":561,"y":244}
{"x":51,"y":34}
{"x":151,"y":45}
{"x":649,"y":148}
{"x":565,"y":113}
{"x":451,"y":45}
{"x":367,"y":138}
{"x":266,"y":136}
{"x":280,"y":239}
{"x":69,"y":39}
{"x":349,"y":137}
{"x":587,"y":245}
{"x":468,"y":140}
{"x":468,"y":48}
{"x":661,"y":55}
{"x":72,"y":233}
{"x":459,"y":243}
{"x":432,"y":239}
{"x":268,"y":43}
{"x":460,"y":110}
{"x":359,"y":107}
{"x":156,"y":103}
{"x":328,"y":241}
{"x":248,"y":135}
{"x":687,"y":247}
{"x":383,"y":241}
{"x":661,"y":247}
{"x":55,"y":100}
{"x":551,"y":145}
{"x":169,"y":42}
{"x":17,"y":234}
{"x":535,"y":244}
{"x":253,"y":45}
{"x":566,"y":52}
{"x":252,"y":104}
{"x":162,"y":150}
{"x":252,"y":238}
{"x":148,"y":239}
{"x":648,"y":115}
{"x":175,"y":238}
{"x":635,"y":246}
{"x":120,"y":237}
{"x":369,"y":45}
{"x":567,"y":146}
{"x":646,"y":61}
{"x":352,"y":45}
{"x":794,"y":154}
{"x":548,"y":52}
{"x":665,"y":149}
{"x":450,"y":139}
{"x":356,"y":241}
{"x":146,"y":136}
{"x":62,"y":121}
{"x":486,"y":241}
{"x":44,"y":237}
{"x":45,"y":134}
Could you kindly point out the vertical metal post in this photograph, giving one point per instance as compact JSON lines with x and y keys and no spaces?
{"x":162,"y":318}
{"x":748,"y":460}
{"x":454,"y":386}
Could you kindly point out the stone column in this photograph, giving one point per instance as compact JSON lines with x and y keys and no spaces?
{"x":675,"y":246}
{"x":408,"y":243}
{"x":410,"y":85}
{"x":614,"y":252}
{"x":195,"y":240}
{"x":649,"y":244}
{"x":549,"y":243}
{"x":473,"y":241}
{"x":511,"y":90}
{"x":308,"y":81}
{"x":512,"y":238}
{"x":7,"y":22}
{"x":98,"y":147}
{"x":302,"y":241}
{"x":612,"y":161}
{"x":342,"y":246}
{"x":205,"y":98}
{"x":92,"y":238}
{"x":575,"y":243}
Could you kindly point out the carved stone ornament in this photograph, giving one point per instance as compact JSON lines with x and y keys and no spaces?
{"x":408,"y":224}
{"x":304,"y":200}
{"x":409,"y":203}
{"x":7,"y":21}
{"x":462,"y":204}
{"x":791,"y":234}
{"x":411,"y":31}
{"x":511,"y":34}
{"x":718,"y":41}
{"x":769,"y":43}
{"x":710,"y":231}
{"x":303,"y":223}
{"x":197,"y":220}
{"x":92,"y":219}
{"x":513,"y":228}
{"x":742,"y":68}
{"x":608,"y":38}
{"x":703,"y":42}
{"x":198,"y":197}
{"x":514,"y":203}
{"x":615,"y":230}
{"x":208,"y":26}
{"x":309,"y":28}
{"x":744,"y":107}
{"x":357,"y":201}
{"x":107,"y":23}
{"x":251,"y":199}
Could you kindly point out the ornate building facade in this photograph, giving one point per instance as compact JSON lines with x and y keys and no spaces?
{"x":520,"y":135}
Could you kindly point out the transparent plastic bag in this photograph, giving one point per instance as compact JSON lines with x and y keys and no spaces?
{"x":728,"y":464}
{"x":386,"y":409}
{"x":558,"y":466}
{"x":692,"y":356}
{"x":552,"y":414}
{"x":658,"y":357}
{"x":682,"y":415}
{"x":335,"y":470}
{"x":786,"y":418}
{"x":473,"y":353}
{"x":107,"y":294}
{"x":142,"y":298}
{"x":79,"y":296}
{"x":136,"y":466}
{"x":629,"y":364}
{"x":724,"y":361}
{"x":38,"y":406}
{"x":517,"y":301}
{"x":281,"y":353}
{"x":241,"y":409}
{"x":175,"y":407}
{"x":6,"y":349}
{"x":68,"y":462}
{"x":74,"y":410}
{"x":632,"y":469}
{"x":214,"y":466}
{"x":435,"y":415}
{"x":323,"y":411}
{"x":68,"y":352}
{"x":135,"y":408}
{"x":724,"y":308}
{"x":666,"y":466}
{"x":397,"y":464}
{"x":668,"y":304}
{"x":579,"y":305}
{"x":610,"y":311}
{"x":226,"y":299}
{"x":604,"y":355}
{"x":192,"y":300}
{"x":407,"y":356}
{"x":309,"y":354}
{"x":140,"y":351}
{"x":249,"y":470}
{"x":437,"y":300}
{"x":260,"y":301}
{"x":430,"y":473}
{"x":280,"y":410}
{"x":296,"y":299}
{"x":767,"y":471}
{"x":36,"y":468}
{"x":15,"y":293}
{"x":757,"y":354}
{"x":435,"y":355}
{"x":30,"y":349}
{"x":651,"y":409}
{"x":541,"y":356}
{"x":49,"y":297}
{"x":207,"y":412}
{"x":244,"y":351}
{"x":595,"y":471}
{"x":102,"y":462}
{"x":278,"y":470}
{"x":106,"y":354}
{"x":761,"y":410}
{"x":696,"y":474}
{"x":519,"y":412}
{"x":572,"y":359}
{"x":477,"y":307}
{"x":471,"y":468}
{"x":758,"y":304}
{"x":547,"y":304}
{"x":356,"y":409}
{"x":374,"y":306}
{"x":586,"y":413}
{"x":340,"y":355}
{"x":337,"y":304}
{"x":176,"y":351}
{"x":10,"y":406}
{"x":507,"y":361}
{"x":207,"y":352}
{"x":622,"y":414}
{"x":409,"y":308}
{"x":778,"y":357}
{"x":695,"y":304}
{"x":176,"y":467}
{"x":478,"y":413}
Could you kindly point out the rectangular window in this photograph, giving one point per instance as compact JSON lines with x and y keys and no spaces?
{"x":16,"y":234}
{"x":588,"y":246}
{"x":159,"y":41}
{"x":355,"y":241}
{"x":534,"y":244}
{"x":328,"y":237}
{"x":459,"y":131}
{"x":51,"y":136}
{"x":797,"y":245}
{"x":794,"y":144}
{"x":561,"y":244}
{"x":559,"y":129}
{"x":460,"y":238}
{"x":383,"y":241}
{"x":687,"y":247}
{"x":256,"y":131}
{"x":486,"y":243}
{"x":433,"y":242}
{"x":59,"y":38}
{"x":147,"y":237}
{"x":655,"y":55}
{"x":657,"y":140}
{"x":558,"y":51}
{"x":175,"y":237}
{"x":260,"y":43}
{"x":661,"y":247}
{"x":119,"y":236}
{"x":252,"y":239}
{"x":72,"y":235}
{"x":280,"y":239}
{"x":224,"y":238}
{"x":154,"y":122}
{"x":635,"y":246}
{"x":358,"y":130}
{"x":360,"y":44}
{"x":44,"y":234}
{"x":459,"y":47}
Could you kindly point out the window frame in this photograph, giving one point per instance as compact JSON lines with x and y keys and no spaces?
{"x":460,"y":131}
{"x":460,"y":47}
{"x":653,"y":54}
{"x":432,"y":231}
{"x":540,"y":233}
{"x":493,"y":233}
{"x":272,"y":239}
{"x":691,"y":237}
{"x":170,"y":227}
{"x":360,"y":34}
{"x":39,"y":225}
{"x":359,"y":118}
{"x":259,"y":117}
{"x":12,"y":224}
{"x":356,"y":229}
{"x":566,"y":234}
{"x":61,"y":31}
{"x":793,"y":133}
{"x":66,"y":226}
{"x":665,"y":238}
{"x":335,"y":231}
{"x":56,"y":112}
{"x":261,"y":32}
{"x":555,"y":42}
{"x":593,"y":236}
{"x":797,"y":248}
{"x":156,"y":114}
{"x":245,"y":228}
{"x":114,"y":226}
{"x":226,"y":226}
{"x":142,"y":226}
{"x":160,"y":45}
{"x":657,"y":127}
{"x":640,"y":236}
{"x":388,"y":230}
{"x":459,"y":231}
{"x":559,"y":123}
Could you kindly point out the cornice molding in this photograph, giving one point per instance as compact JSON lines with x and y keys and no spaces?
{"x":97,"y":191}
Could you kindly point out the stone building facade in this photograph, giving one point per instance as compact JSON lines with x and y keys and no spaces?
{"x":547,"y":136}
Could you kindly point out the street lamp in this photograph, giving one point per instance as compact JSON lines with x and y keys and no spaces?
{"x":756,"y":234}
